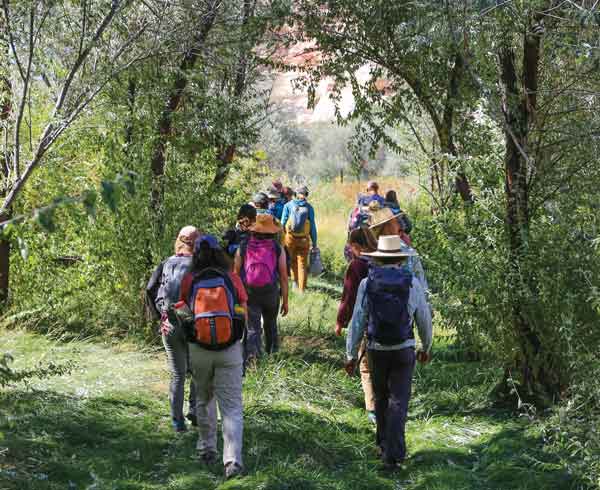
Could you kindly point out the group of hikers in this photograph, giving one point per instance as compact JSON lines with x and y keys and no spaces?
{"x":215,"y":297}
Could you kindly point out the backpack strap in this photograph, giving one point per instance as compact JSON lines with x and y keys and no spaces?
{"x":214,"y":271}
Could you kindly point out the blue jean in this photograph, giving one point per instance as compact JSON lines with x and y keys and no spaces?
{"x":391,"y":375}
{"x":176,"y":347}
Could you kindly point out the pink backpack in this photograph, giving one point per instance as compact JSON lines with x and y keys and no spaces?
{"x":260,"y":262}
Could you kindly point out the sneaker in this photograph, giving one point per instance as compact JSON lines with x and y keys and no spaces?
{"x":372,"y":417}
{"x":232,"y":470}
{"x":208,"y":458}
{"x":193,"y":419}
{"x":179,"y":425}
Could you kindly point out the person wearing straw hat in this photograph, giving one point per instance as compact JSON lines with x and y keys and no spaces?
{"x":263,"y":269}
{"x":384,"y":222}
{"x":388,"y":301}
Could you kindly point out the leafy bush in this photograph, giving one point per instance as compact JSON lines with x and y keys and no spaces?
{"x":9,"y":376}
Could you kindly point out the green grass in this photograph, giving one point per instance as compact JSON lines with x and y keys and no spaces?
{"x":106,"y":424}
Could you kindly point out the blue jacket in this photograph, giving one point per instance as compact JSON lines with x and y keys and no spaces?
{"x":287,"y":211}
{"x":277,"y":209}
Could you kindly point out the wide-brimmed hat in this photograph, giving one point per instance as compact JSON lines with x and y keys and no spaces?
{"x":381,"y":216}
{"x":265,"y":223}
{"x":391,"y":246}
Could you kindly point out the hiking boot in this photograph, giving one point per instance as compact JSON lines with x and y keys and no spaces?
{"x":179,"y":425}
{"x":193,"y":419}
{"x":208,"y":458}
{"x":372,"y":417}
{"x":232,"y":470}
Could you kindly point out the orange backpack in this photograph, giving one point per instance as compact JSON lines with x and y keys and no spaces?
{"x":213,"y":299}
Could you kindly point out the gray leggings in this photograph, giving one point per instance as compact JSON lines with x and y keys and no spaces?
{"x":178,"y":356}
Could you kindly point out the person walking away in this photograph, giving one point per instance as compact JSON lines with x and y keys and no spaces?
{"x":173,"y":337}
{"x":261,"y":203}
{"x":387,"y":303}
{"x":298,"y":221}
{"x":384,"y":223}
{"x":261,"y":264}
{"x":357,"y":270}
{"x":276,"y":203}
{"x":235,"y":237}
{"x":218,"y":301}
{"x":372,"y":195}
{"x":391,"y":201}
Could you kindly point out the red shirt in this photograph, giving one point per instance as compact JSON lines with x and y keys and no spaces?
{"x":356,"y":272}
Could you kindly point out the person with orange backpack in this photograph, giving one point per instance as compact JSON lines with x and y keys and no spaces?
{"x":214,"y":301}
{"x":261,"y":264}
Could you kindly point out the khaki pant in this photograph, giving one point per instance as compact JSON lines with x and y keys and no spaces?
{"x":365,"y":377}
{"x":219,"y":374}
{"x":298,"y":247}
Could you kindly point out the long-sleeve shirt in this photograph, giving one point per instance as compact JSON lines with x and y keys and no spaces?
{"x":288,"y":210}
{"x":356,"y":272}
{"x":418,"y":310}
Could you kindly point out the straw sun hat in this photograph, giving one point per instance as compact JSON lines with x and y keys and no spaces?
{"x":265,"y":224}
{"x":391,"y":246}
{"x":381,"y":216}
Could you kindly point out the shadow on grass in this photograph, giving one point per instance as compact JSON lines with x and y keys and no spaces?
{"x":510,"y":459}
{"x":59,"y":441}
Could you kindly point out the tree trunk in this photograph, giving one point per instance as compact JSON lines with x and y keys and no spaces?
{"x":4,"y":264}
{"x":538,"y":383}
{"x":5,"y":112}
{"x":227,"y":154}
{"x":165,"y":122}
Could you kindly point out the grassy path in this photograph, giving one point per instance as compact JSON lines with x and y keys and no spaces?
{"x":106,"y":426}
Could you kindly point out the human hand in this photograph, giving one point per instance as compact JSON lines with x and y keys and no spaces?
{"x":284,"y":308}
{"x":423,"y":357}
{"x":350,"y":367}
{"x":338,"y":329}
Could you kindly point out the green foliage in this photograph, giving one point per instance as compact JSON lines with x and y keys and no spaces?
{"x":11,"y":377}
{"x":305,"y":427}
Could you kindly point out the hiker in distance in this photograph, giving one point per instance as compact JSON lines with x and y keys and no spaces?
{"x":384,"y":222}
{"x":235,"y":237}
{"x":387,"y":303}
{"x":300,"y":228}
{"x":173,"y":337}
{"x":214,"y":302}
{"x":261,"y":263}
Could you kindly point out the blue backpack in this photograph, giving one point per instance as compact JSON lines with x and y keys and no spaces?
{"x":387,"y":292}
{"x":298,"y":217}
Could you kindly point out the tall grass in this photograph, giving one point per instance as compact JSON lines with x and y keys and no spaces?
{"x":333,"y":203}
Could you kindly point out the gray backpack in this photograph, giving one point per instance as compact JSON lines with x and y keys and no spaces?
{"x":298,"y":218}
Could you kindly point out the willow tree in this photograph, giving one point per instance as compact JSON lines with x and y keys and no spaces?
{"x":418,"y":55}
